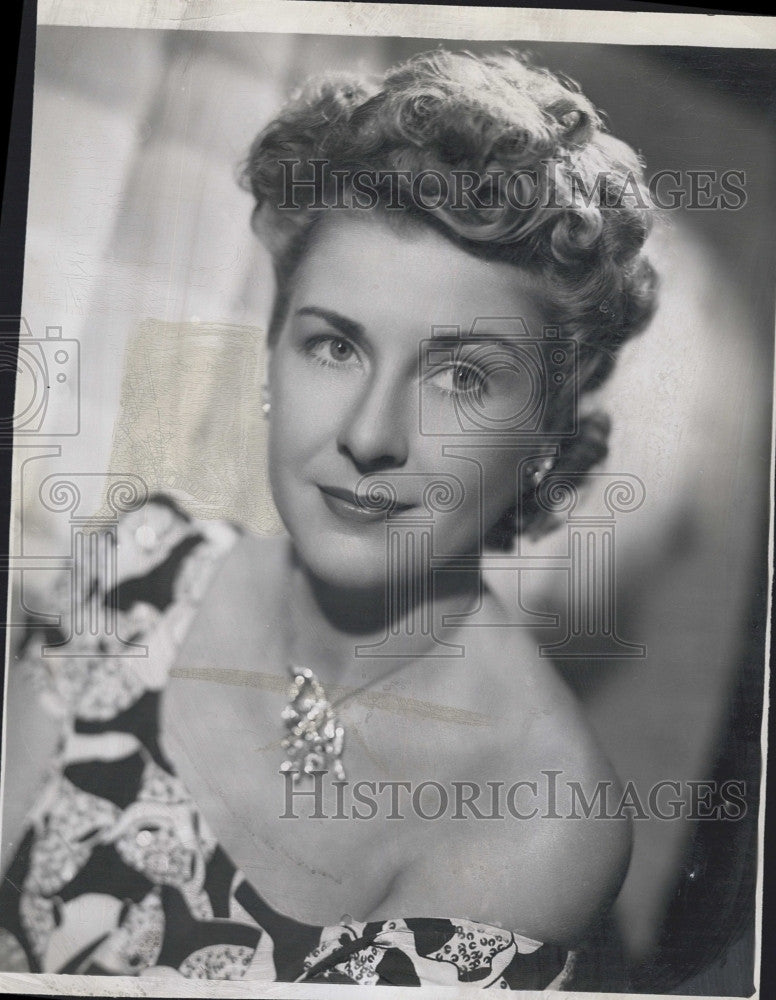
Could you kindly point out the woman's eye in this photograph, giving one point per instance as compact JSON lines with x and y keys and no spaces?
{"x":340,"y":350}
{"x":330,"y":350}
{"x":459,"y":380}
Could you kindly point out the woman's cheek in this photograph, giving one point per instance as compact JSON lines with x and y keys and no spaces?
{"x":304,"y":412}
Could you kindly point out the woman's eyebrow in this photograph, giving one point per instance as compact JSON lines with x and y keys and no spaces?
{"x":347,"y":327}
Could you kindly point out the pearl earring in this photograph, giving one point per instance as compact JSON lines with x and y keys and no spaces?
{"x":266,"y":406}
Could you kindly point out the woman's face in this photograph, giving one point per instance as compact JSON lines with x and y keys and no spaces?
{"x":366,"y":387}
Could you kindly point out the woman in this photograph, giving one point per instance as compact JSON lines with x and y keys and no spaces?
{"x":302,"y":672}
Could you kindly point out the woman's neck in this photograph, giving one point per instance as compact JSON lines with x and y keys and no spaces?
{"x":326,"y":623}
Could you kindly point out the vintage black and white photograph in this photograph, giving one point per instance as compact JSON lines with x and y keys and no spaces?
{"x":390,"y":539}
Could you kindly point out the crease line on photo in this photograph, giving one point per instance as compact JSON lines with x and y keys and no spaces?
{"x":372,"y":699}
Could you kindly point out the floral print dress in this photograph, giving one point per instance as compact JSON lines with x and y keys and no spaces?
{"x":118,"y":872}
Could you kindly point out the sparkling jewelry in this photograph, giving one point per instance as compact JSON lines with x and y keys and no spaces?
{"x":537,"y":472}
{"x":266,"y":406}
{"x":315,"y":738}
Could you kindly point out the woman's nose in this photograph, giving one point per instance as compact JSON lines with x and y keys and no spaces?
{"x":374,"y":431}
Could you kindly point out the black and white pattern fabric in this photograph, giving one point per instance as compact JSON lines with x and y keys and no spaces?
{"x":118,"y":872}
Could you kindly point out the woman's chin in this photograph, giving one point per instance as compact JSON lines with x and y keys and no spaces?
{"x":345,"y":563}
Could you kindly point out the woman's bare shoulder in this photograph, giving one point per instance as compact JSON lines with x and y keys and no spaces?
{"x":575,"y":849}
{"x":558,"y":856}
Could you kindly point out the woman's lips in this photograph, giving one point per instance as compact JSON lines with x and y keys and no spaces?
{"x":346,"y":505}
